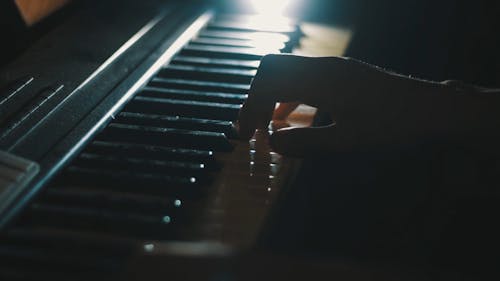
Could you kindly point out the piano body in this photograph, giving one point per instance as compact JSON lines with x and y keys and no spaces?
{"x":117,"y":137}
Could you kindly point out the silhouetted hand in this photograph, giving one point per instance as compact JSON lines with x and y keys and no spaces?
{"x":370,"y":106}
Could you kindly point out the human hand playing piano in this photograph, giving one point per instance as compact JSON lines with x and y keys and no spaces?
{"x":370,"y":106}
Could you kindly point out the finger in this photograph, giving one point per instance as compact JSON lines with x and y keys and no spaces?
{"x":267,"y":88}
{"x":286,"y":78}
{"x":303,"y":142}
{"x":254,"y":116}
{"x":284,"y":109}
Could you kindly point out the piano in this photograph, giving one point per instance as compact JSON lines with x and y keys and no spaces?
{"x":117,"y":137}
{"x":119,"y":160}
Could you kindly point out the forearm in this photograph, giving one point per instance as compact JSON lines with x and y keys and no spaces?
{"x":449,"y":110}
{"x":460,"y":112}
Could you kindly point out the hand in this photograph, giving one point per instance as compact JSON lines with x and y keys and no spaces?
{"x":370,"y":106}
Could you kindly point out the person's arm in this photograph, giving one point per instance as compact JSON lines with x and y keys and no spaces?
{"x":33,"y":11}
{"x":370,"y":106}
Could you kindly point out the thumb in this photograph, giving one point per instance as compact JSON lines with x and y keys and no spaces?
{"x":308,"y":141}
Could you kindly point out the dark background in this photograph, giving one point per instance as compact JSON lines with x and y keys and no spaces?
{"x":438,"y":40}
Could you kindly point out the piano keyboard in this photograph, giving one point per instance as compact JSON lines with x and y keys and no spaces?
{"x":168,"y":167}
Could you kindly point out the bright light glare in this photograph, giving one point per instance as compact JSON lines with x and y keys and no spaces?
{"x":270,"y":7}
{"x":274,"y":37}
{"x":266,"y":42}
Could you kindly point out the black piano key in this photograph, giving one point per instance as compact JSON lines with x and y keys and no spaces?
{"x":195,"y":109}
{"x":167,"y":137}
{"x":238,"y":76}
{"x":139,"y":183}
{"x":199,"y":85}
{"x":223,"y":52}
{"x":276,"y":46}
{"x":246,"y":27}
{"x":126,"y":181}
{"x":152,"y":152}
{"x":193,"y":95}
{"x":259,"y":32}
{"x":164,"y":121}
{"x":215,"y":62}
{"x":252,"y":24}
{"x":126,"y":163}
{"x":125,"y":224}
{"x":132,"y":182}
{"x":116,"y":201}
{"x":276,"y":38}
{"x":263,"y":38}
{"x":245,"y":35}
